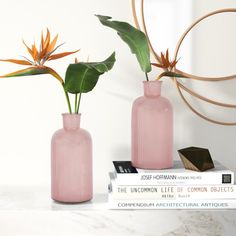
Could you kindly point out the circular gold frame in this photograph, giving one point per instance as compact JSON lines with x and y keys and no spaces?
{"x":178,"y":84}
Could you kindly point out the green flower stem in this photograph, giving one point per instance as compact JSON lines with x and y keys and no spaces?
{"x":77,"y":111}
{"x":58,"y":77}
{"x":76,"y":100}
{"x":146,"y":74}
{"x":68,"y":100}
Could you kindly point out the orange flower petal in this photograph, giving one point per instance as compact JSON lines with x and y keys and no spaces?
{"x":20,"y":62}
{"x":47,"y":40}
{"x":163,"y":60}
{"x":52,"y":44}
{"x":28,"y":48}
{"x":172,"y":64}
{"x":167,"y":56}
{"x":45,"y":45}
{"x":42,"y":42}
{"x":158,"y":65}
{"x":59,"y":55}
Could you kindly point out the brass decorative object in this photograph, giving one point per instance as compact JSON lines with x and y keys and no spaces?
{"x":180,"y":86}
{"x":195,"y":158}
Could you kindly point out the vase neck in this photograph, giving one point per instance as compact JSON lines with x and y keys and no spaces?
{"x":152,"y":88}
{"x":71,"y":121}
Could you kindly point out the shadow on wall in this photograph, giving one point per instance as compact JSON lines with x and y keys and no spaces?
{"x":214,"y":55}
{"x":121,"y":153}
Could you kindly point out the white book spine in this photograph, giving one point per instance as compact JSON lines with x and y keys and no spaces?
{"x":226,"y":177}
{"x":184,"y":192}
{"x":167,"y":204}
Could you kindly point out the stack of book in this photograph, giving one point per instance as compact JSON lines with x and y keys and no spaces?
{"x":176,"y":188}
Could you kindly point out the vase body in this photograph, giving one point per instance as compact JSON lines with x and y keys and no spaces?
{"x":152,"y":129}
{"x":71,"y":162}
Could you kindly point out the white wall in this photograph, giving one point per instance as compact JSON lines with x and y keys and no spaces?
{"x":214,"y":55}
{"x":31,"y":106}
{"x":211,"y":49}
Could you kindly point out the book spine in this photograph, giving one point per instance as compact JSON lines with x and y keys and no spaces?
{"x":173,"y":192}
{"x":197,"y":178}
{"x":163,"y":204}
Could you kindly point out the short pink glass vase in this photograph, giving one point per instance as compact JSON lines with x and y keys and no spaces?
{"x":71,"y":162}
{"x":152,"y":129}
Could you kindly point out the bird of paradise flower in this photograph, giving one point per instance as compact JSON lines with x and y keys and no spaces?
{"x":45,"y":52}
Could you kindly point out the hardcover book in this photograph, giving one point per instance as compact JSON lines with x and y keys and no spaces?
{"x":172,"y":192}
{"x":171,"y":204}
{"x":125,"y":173}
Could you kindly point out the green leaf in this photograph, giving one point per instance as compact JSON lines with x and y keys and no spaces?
{"x":103,"y":66}
{"x":82,"y":77}
{"x":135,"y":39}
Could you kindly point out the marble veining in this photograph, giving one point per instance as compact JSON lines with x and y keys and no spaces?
{"x":230,"y":217}
{"x":198,"y":223}
{"x":27,"y":211}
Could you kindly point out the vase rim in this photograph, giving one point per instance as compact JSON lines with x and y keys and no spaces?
{"x":153,"y":81}
{"x":71,"y":114}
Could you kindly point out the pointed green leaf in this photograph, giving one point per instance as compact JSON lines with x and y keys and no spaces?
{"x":82,"y":77}
{"x":103,"y":66}
{"x":135,"y":39}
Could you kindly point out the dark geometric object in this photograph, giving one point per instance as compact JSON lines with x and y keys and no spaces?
{"x":195,"y":158}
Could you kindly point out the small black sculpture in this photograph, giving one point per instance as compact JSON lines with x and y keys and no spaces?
{"x":195,"y":158}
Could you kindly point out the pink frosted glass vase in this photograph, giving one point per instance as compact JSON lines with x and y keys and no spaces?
{"x":71,"y":162}
{"x":152,"y":129}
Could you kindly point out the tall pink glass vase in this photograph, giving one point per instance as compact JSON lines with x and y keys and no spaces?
{"x":71,"y":162}
{"x":152,"y":129}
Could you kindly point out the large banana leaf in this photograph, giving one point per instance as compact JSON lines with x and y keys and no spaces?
{"x":82,"y":77}
{"x":135,"y":39}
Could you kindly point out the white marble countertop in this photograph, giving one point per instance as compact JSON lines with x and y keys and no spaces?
{"x":29,"y":211}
